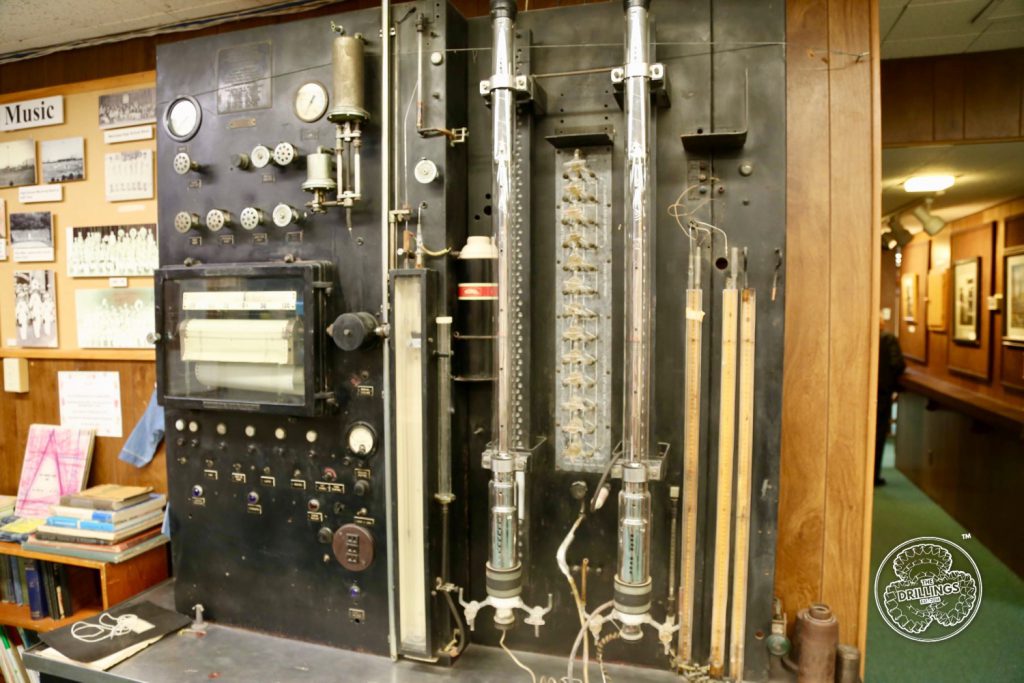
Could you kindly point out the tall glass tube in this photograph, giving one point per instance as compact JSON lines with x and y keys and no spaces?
{"x":632,"y":579}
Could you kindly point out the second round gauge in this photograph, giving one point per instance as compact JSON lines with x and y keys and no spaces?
{"x":311,"y":101}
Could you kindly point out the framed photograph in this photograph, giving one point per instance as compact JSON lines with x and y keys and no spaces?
{"x":128,"y":108}
{"x":114,"y":318}
{"x":32,"y":236}
{"x":908,"y":297}
{"x":35,"y":308}
{"x":1013,"y":290}
{"x":966,"y":316}
{"x":128,"y":175}
{"x":3,"y":230}
{"x":243,"y":78}
{"x":62,"y":160}
{"x":17,"y":163}
{"x":112,"y":250}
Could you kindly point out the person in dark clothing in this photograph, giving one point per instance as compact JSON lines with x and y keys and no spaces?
{"x":890,"y":366}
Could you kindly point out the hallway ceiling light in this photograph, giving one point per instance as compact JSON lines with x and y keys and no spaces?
{"x":928,"y":183}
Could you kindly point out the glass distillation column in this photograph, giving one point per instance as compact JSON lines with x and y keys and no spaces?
{"x":504,"y":569}
{"x":632,"y":595}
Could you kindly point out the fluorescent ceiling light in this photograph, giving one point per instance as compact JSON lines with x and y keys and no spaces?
{"x":928,"y":183}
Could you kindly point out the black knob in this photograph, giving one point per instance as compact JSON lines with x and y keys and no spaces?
{"x":325,"y":535}
{"x":626,"y":4}
{"x":353,"y":331}
{"x":361,"y":487}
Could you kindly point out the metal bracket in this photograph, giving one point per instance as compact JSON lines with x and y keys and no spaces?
{"x":655,"y":465}
{"x":717,"y":141}
{"x":659,"y":84}
{"x":526,"y":89}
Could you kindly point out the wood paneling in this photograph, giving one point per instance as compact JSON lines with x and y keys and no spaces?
{"x":914,"y":336}
{"x":39,"y":405}
{"x":953,"y":98}
{"x":971,"y":468}
{"x":973,"y":360}
{"x":832,"y":272}
{"x":1002,"y":226}
{"x":853,"y":313}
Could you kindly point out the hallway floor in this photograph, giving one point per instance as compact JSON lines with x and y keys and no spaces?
{"x":991,"y":649}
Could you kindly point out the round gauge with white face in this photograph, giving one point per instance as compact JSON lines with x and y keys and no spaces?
{"x":182,"y":118}
{"x":185,"y":221}
{"x":217,"y":219}
{"x":310,"y":101}
{"x":361,"y":439}
{"x":260,"y":156}
{"x":285,"y":215}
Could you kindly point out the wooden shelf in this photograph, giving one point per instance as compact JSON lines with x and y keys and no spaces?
{"x":99,"y":585}
{"x":16,"y":550}
{"x":964,"y":400}
{"x":19,"y":615}
{"x":77,"y":354}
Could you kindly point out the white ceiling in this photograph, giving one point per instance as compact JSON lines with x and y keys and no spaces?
{"x":986,"y":174}
{"x":917,"y":28}
{"x":27,"y":24}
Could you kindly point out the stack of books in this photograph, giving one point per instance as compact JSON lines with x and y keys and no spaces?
{"x":107,"y":523}
{"x":43,"y":586}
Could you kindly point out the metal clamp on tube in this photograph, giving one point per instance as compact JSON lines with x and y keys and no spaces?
{"x":504,"y":570}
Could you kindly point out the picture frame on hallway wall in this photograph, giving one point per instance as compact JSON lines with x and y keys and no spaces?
{"x":1013,"y":291}
{"x":966,"y":314}
{"x":908,"y":297}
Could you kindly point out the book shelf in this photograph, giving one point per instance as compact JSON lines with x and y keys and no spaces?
{"x":96,"y":585}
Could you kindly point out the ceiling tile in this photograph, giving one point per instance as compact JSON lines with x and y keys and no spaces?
{"x":920,"y":47}
{"x":943,"y":19}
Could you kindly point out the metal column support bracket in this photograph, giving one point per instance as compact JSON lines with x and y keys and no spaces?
{"x":659,"y":84}
{"x":721,"y":140}
{"x":528,"y":92}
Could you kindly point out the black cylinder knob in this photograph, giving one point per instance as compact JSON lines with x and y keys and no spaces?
{"x":353,"y":331}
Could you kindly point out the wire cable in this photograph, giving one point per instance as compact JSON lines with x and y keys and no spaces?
{"x":501,"y":641}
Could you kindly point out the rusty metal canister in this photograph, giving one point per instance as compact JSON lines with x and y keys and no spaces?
{"x":847,"y":664}
{"x":817,"y":633}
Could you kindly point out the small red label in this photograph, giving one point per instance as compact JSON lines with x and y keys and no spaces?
{"x":478,"y":291}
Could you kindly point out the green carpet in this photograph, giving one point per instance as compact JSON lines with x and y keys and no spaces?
{"x":991,"y":649}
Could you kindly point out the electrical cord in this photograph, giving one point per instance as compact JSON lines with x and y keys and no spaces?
{"x":501,"y":642}
{"x":599,"y":651}
{"x":106,"y":628}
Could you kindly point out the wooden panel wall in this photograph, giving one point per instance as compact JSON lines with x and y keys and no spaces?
{"x":39,"y":405}
{"x":1004,"y":362}
{"x":953,"y":98}
{"x":914,"y":335}
{"x":832,"y":272}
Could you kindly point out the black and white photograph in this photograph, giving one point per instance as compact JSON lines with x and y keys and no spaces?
{"x":1015,"y":295}
{"x":129,"y":175}
{"x":966,"y":304}
{"x":243,"y":78}
{"x":32,"y":236}
{"x":17,"y":163}
{"x":35,"y":308}
{"x":3,"y":229}
{"x":128,"y":108}
{"x":62,"y":160}
{"x":114,"y":318}
{"x":112,"y":250}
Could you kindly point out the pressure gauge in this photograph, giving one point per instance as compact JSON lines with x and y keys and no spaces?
{"x":250,"y":217}
{"x":185,"y":221}
{"x":425,"y":171}
{"x":182,"y":118}
{"x":217,"y":219}
{"x":284,"y":153}
{"x":310,"y":101}
{"x":260,"y":156}
{"x":361,"y":439}
{"x":285,"y":215}
{"x":183,"y":163}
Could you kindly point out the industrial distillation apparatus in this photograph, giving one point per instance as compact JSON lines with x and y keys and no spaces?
{"x":501,"y":326}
